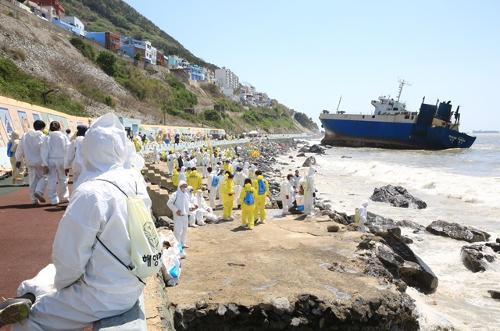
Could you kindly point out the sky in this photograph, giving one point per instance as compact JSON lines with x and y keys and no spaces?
{"x":307,"y":54}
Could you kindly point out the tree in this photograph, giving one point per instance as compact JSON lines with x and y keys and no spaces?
{"x":107,"y":62}
{"x":137,"y":58}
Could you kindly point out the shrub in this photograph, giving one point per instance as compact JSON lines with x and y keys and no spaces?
{"x":212,"y":115}
{"x":84,"y":48}
{"x":107,"y":62}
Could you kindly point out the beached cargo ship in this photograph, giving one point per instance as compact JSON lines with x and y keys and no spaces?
{"x":392,"y":126}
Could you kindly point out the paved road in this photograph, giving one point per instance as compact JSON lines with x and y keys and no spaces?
{"x":26,"y":235}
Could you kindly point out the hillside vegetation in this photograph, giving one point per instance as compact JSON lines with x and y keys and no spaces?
{"x":36,"y":57}
{"x":119,"y":17}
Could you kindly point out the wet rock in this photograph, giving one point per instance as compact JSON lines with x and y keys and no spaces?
{"x":494,"y":294}
{"x":410,"y":224}
{"x":475,"y":257}
{"x":397,"y":196}
{"x":409,"y":267}
{"x":494,"y":246}
{"x":338,"y":217}
{"x":310,"y":161}
{"x":457,"y":231}
{"x":316,"y":149}
{"x":333,"y":228}
{"x":380,"y":225}
{"x":301,"y":155}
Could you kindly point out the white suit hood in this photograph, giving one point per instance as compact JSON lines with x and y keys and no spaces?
{"x":105,"y":145}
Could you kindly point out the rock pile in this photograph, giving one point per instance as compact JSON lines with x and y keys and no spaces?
{"x":397,"y":196}
{"x":305,"y":312}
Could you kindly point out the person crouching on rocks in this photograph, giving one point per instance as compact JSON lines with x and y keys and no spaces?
{"x":179,"y":205}
{"x":247,"y":202}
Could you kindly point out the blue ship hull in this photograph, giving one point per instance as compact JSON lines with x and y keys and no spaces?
{"x":384,"y":134}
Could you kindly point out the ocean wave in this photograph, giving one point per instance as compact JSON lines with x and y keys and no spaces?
{"x":471,"y":189}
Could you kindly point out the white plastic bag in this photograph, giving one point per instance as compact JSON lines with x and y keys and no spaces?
{"x":171,"y":267}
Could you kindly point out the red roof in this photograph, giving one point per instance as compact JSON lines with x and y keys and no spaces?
{"x":54,"y":3}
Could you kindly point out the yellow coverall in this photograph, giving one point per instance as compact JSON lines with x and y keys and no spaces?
{"x":247,"y":211}
{"x":228,"y":167}
{"x":175,"y":177}
{"x":194,"y":180}
{"x":260,"y":199}
{"x":227,"y":192}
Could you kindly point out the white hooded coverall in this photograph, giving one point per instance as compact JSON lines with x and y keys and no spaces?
{"x":30,"y":149}
{"x":309,"y":190}
{"x":74,"y":159}
{"x":54,"y":151}
{"x":85,"y":283}
{"x":287,"y":195}
{"x":179,"y":201}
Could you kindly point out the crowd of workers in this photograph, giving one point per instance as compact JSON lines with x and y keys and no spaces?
{"x":85,"y":283}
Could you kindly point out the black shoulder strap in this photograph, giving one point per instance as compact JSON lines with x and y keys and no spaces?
{"x":108,"y":181}
{"x":118,"y":259}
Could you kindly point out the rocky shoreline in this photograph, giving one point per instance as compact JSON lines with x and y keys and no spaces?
{"x":381,"y":257}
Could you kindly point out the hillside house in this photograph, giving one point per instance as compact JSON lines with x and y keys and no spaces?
{"x":131,"y":47}
{"x":196,"y":72}
{"x":55,"y":4}
{"x":108,"y":40}
{"x":160,"y":58}
{"x":71,"y":24}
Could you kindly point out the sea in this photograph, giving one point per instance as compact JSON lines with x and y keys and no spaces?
{"x":461,"y":186}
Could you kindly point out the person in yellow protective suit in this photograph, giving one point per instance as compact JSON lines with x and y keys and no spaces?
{"x":247,"y":202}
{"x":228,"y":167}
{"x":261,"y":187}
{"x":175,"y":177}
{"x":137,"y":143}
{"x":194,"y":179}
{"x":227,"y":196}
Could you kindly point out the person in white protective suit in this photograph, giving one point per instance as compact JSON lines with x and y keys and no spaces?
{"x":246,"y":170}
{"x":53,"y":153}
{"x":239,"y":181}
{"x":213,"y":183}
{"x":178,"y":203}
{"x":30,"y":148}
{"x":309,"y":191}
{"x":205,"y":164}
{"x":74,"y":159}
{"x":203,"y":211}
{"x":182,"y":175}
{"x":287,"y":193}
{"x":170,"y":162}
{"x":192,"y":208}
{"x":86,"y":283}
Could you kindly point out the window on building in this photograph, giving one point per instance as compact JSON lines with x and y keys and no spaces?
{"x":6,"y":120}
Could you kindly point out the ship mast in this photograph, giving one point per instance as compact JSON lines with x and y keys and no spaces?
{"x":402,"y":83}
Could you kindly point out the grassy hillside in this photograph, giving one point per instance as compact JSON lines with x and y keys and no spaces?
{"x":17,"y":85}
{"x":117,"y":16}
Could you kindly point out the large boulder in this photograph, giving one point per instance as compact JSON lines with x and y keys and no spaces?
{"x":310,"y":161}
{"x":476,"y":257}
{"x":413,"y":271}
{"x":397,"y":196}
{"x":316,"y":149}
{"x":457,"y":231}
